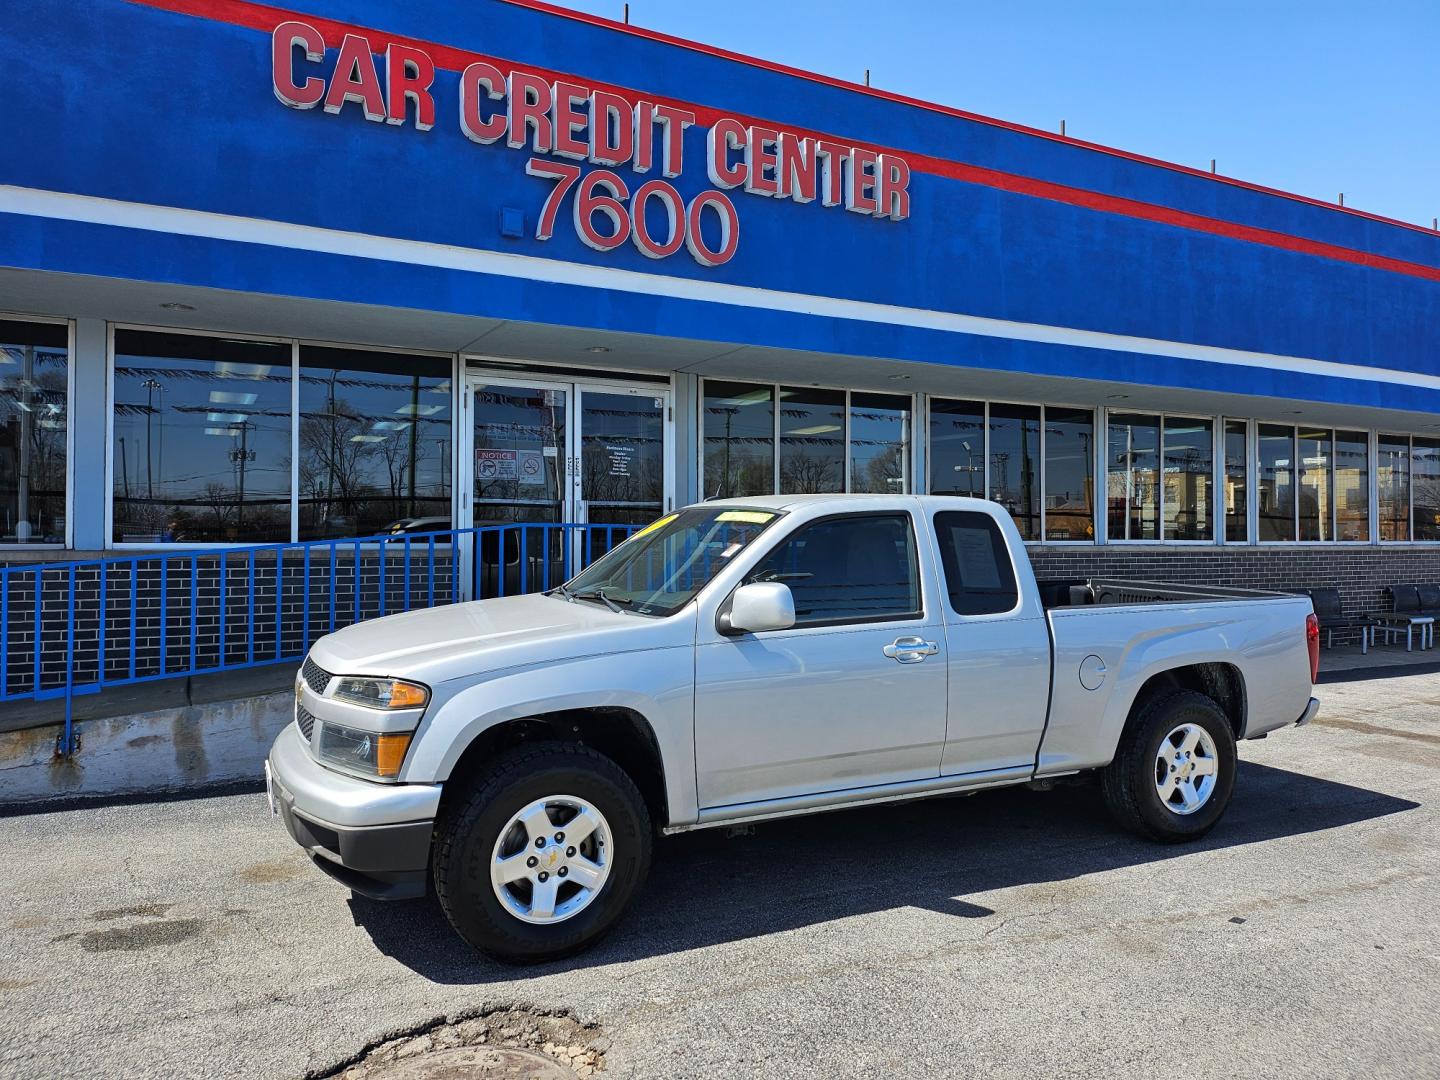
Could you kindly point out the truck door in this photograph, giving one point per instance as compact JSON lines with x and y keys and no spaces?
{"x":852,"y":695}
{"x":999,"y":648}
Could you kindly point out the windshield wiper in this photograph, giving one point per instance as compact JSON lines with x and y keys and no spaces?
{"x":563,"y":591}
{"x":612,"y":602}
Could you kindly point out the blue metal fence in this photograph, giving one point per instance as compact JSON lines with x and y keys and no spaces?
{"x":76,"y":628}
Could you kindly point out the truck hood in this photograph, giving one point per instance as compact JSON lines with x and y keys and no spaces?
{"x":434,"y":645}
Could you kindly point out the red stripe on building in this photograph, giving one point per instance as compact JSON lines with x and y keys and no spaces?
{"x":265,"y":17}
{"x":949,"y":110}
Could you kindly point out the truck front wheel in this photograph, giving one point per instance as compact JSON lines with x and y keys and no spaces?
{"x":1174,"y":769}
{"x":542,"y":853}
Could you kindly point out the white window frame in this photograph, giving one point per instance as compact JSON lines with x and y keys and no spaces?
{"x":1409,"y":488}
{"x":1217,"y":472}
{"x":265,"y":339}
{"x":1249,"y":462}
{"x":1372,"y":467}
{"x":457,"y":371}
{"x":1096,"y":458}
{"x":912,"y":455}
{"x":111,"y":543}
{"x":1412,"y":540}
{"x":69,"y":502}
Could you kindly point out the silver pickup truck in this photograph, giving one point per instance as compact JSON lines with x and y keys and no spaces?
{"x":752,"y":659}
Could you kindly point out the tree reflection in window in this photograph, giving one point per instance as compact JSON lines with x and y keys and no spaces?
{"x":375,"y":442}
{"x":202,"y":439}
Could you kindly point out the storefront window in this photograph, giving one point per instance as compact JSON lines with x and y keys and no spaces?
{"x":1392,"y":484}
{"x":375,"y":442}
{"x":1189,"y":479}
{"x":879,"y":443}
{"x":1425,"y":471}
{"x":1133,"y":483}
{"x":1237,"y":505}
{"x":202,"y":439}
{"x":1352,"y":486}
{"x":1277,"y":482}
{"x":1015,"y":464}
{"x":1316,"y":500}
{"x":1069,"y":474}
{"x":739,"y":439}
{"x":34,"y":374}
{"x":812,"y":441}
{"x":957,"y":448}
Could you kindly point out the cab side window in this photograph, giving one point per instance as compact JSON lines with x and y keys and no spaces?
{"x":852,"y":569}
{"x":978,"y":575}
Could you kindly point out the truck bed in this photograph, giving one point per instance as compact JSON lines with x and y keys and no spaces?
{"x":1081,"y":592}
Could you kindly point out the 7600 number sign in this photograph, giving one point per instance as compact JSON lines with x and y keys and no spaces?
{"x":602,"y":194}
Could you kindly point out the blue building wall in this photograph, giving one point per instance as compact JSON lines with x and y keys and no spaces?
{"x":169,"y":103}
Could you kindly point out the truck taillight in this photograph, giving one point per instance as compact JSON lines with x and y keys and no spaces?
{"x":1312,"y":640}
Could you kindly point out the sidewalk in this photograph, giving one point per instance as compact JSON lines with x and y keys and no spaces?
{"x":1345,"y":663}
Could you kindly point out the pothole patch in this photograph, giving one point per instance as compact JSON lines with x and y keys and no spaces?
{"x":502,"y":1044}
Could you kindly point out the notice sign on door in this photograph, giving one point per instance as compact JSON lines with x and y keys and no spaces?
{"x":531,"y":467}
{"x":496,"y":465}
{"x":526,"y":466}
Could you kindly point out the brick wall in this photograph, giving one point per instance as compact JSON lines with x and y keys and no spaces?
{"x":1361,"y":573}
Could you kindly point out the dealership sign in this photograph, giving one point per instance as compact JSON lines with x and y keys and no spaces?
{"x":561,"y":122}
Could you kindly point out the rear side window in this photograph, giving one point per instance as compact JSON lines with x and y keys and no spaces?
{"x":857,"y":568}
{"x":978,"y":574}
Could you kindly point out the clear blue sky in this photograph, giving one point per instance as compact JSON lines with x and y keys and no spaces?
{"x":1311,"y":96}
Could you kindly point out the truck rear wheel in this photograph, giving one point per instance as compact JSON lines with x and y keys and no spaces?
{"x":543,"y":853}
{"x":1174,"y":770}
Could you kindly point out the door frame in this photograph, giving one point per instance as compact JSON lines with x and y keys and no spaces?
{"x":574,"y":387}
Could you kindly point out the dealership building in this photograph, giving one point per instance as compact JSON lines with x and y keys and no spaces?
{"x":290,"y":275}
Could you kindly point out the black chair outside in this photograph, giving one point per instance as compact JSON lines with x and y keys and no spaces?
{"x":1407,"y":615}
{"x":1429,"y":600}
{"x":1330,"y":610}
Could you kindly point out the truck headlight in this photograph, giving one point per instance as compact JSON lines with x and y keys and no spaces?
{"x":373,"y":753}
{"x":382,"y":693}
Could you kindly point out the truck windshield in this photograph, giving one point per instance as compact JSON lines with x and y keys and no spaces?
{"x":662,"y":566}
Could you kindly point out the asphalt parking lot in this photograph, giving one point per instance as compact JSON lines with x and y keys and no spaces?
{"x":1011,"y":933}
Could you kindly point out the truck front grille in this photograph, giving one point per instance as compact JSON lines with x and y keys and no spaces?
{"x":315,"y":677}
{"x":306,"y":719}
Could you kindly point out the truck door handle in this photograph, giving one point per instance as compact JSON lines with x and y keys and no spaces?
{"x":910,"y":650}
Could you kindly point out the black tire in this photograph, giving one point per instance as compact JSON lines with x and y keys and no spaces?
{"x":1128,"y":782}
{"x":469,"y":828}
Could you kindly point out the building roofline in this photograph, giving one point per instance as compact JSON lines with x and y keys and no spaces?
{"x":947,"y":110}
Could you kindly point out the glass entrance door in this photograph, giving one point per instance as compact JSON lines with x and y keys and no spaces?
{"x":544,"y":453}
{"x":622,"y":455}
{"x":520,"y":462}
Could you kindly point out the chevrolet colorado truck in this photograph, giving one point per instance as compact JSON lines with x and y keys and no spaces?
{"x":750,"y":659}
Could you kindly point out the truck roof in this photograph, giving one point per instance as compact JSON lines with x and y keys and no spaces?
{"x":791,"y":502}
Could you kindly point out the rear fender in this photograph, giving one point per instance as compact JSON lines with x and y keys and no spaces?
{"x":1136,"y":644}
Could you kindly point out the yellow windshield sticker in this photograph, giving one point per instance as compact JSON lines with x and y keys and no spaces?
{"x":660,"y":524}
{"x":750,"y":517}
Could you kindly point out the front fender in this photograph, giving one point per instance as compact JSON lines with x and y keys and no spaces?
{"x":659,"y":684}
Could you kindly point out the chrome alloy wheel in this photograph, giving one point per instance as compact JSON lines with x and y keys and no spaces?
{"x":551,"y":860}
{"x":1185,"y":769}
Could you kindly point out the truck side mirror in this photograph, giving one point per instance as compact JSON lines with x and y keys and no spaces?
{"x":761,"y":605}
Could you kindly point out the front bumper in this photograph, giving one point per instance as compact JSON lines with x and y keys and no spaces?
{"x":373,"y":838}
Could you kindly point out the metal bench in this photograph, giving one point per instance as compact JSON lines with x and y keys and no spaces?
{"x":1330,"y":610}
{"x":1408,"y":615}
